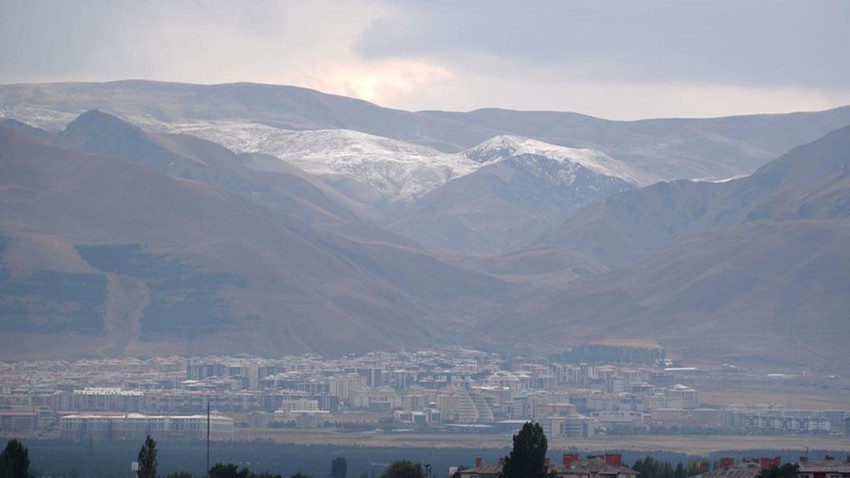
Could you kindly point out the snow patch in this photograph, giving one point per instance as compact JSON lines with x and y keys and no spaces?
{"x":718,"y":181}
{"x":403,"y":171}
{"x":397,"y":169}
{"x":596,"y":161}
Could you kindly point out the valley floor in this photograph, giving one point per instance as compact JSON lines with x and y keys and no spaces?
{"x":693,"y":445}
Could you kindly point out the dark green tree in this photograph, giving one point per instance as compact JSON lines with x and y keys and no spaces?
{"x":698,"y":468}
{"x":180,"y":474}
{"x":339,"y":467}
{"x":788,"y":470}
{"x":403,"y":469}
{"x":14,"y":461}
{"x":528,"y":457}
{"x":650,"y":467}
{"x":147,"y":459}
{"x":230,"y":470}
{"x":638,"y":466}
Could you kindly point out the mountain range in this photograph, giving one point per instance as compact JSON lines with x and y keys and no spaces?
{"x":702,"y":264}
{"x":140,"y":217}
{"x":716,"y":148}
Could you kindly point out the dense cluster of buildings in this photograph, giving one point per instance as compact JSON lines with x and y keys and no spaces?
{"x":445,"y":388}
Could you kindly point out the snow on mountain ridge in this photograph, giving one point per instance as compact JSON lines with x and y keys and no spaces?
{"x":594,"y":160}
{"x":397,"y":169}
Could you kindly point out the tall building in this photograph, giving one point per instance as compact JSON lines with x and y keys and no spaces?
{"x":682,"y":397}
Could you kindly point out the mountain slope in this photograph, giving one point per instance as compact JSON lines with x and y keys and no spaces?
{"x":676,"y":148}
{"x":161,"y":106}
{"x":752,"y":270}
{"x":767,"y":292}
{"x":714,"y":148}
{"x":190,"y":158}
{"x":540,"y":268}
{"x":506,"y":146}
{"x":140,"y":262}
{"x":496,"y":196}
{"x":282,"y":187}
{"x":395,"y":170}
{"x":134,"y":242}
{"x":522,"y":189}
{"x":806,"y":182}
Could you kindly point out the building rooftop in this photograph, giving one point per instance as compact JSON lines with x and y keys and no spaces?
{"x":734,"y":472}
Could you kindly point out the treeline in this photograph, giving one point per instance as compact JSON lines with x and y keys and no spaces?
{"x":147,"y":463}
{"x":601,"y":353}
{"x":112,"y":457}
{"x":650,"y":467}
{"x":186,"y":459}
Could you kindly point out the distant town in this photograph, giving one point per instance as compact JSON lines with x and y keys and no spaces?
{"x":450,"y":390}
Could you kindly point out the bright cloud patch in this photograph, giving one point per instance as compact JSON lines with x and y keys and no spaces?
{"x":383,"y":82}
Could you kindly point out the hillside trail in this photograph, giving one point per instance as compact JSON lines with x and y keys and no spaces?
{"x":126,"y":299}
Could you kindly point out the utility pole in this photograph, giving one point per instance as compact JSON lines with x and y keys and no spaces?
{"x":207,"y":474}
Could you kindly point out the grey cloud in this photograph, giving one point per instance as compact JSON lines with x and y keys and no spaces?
{"x":543,"y":54}
{"x":40,"y":39}
{"x":44,"y":40}
{"x":753,"y":43}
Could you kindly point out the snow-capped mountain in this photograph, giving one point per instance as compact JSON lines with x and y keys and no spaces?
{"x":398,"y":170}
{"x":507,"y":146}
{"x":522,"y":189}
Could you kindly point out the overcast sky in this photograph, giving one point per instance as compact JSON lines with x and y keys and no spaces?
{"x":619,"y":60}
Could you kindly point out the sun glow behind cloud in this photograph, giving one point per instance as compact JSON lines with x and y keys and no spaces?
{"x":387,"y":83}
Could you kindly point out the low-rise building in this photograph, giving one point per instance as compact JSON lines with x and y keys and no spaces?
{"x":827,"y":468}
{"x":18,"y":421}
{"x":108,"y":400}
{"x":605,"y":466}
{"x":138,"y":426}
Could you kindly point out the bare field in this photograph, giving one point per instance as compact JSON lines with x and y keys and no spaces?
{"x":695,"y":445}
{"x":784,"y":399}
{"x":794,"y":394}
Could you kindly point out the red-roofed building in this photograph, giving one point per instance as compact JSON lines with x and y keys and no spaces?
{"x":605,"y":466}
